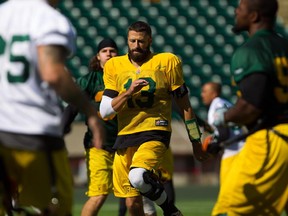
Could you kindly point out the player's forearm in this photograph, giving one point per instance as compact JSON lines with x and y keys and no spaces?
{"x":242,"y":113}
{"x":189,"y":114}
{"x":110,"y":106}
{"x":185,"y":108}
{"x":53,"y":71}
{"x":119,"y":101}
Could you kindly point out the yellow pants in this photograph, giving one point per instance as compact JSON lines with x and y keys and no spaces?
{"x":149,"y":156}
{"x":257,"y":182}
{"x":99,"y":168}
{"x":30,"y":172}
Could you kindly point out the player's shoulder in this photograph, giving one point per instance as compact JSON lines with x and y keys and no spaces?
{"x":52,"y":15}
{"x":117,"y":60}
{"x":220,"y":102}
{"x":166,"y":56}
{"x":88,"y":80}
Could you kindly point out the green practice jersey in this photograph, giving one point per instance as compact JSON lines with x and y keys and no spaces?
{"x":92,"y":83}
{"x":265,"y":52}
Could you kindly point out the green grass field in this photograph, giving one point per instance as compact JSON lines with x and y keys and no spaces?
{"x":193,"y":200}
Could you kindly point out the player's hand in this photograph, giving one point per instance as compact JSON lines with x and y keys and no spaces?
{"x":198,"y":151}
{"x":137,"y":85}
{"x":211,"y":145}
{"x":98,"y":131}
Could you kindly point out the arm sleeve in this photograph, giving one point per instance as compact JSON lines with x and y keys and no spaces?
{"x":174,"y":72}
{"x":106,"y":108}
{"x":258,"y":96}
{"x":68,"y":117}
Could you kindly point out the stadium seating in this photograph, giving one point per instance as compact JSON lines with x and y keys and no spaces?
{"x":197,"y":31}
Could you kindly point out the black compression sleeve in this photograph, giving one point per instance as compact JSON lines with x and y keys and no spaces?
{"x":255,"y":89}
{"x":180,"y":92}
{"x":110,"y":93}
{"x":68,"y":117}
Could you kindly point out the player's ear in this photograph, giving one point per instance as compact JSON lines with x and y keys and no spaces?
{"x":150,"y":40}
{"x":255,"y":16}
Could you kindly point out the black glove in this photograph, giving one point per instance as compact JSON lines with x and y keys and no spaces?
{"x":211,"y":143}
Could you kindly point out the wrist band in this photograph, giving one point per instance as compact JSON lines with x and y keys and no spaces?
{"x":193,"y":130}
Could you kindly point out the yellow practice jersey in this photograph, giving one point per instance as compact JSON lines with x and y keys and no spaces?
{"x":150,"y":108}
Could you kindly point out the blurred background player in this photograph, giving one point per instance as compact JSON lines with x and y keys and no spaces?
{"x":257,"y":181}
{"x":35,"y":40}
{"x":98,"y":161}
{"x":210,"y":94}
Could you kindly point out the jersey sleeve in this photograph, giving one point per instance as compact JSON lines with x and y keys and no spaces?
{"x":247,"y":61}
{"x":109,"y":75}
{"x":174,"y":72}
{"x":57,"y":30}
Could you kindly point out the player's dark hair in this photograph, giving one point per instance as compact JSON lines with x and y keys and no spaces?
{"x":266,"y":8}
{"x":94,"y":64}
{"x":140,"y":26}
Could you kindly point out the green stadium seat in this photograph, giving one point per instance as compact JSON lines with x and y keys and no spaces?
{"x":92,"y":32}
{"x":211,"y":12}
{"x":107,"y":4}
{"x":171,"y":30}
{"x":217,"y":59}
{"x":87,"y":4}
{"x":123,"y":22}
{"x":75,"y":13}
{"x":181,"y":22}
{"x":94,"y":13}
{"x":188,"y":50}
{"x":133,"y":12}
{"x":168,"y":48}
{"x":195,"y":102}
{"x":159,"y":41}
{"x":190,"y":31}
{"x":226,"y":91}
{"x":219,"y":40}
{"x":153,"y":12}
{"x":173,"y":12}
{"x":226,"y":70}
{"x":187,"y":70}
{"x":197,"y":60}
{"x":228,"y":50}
{"x":210,"y":30}
{"x":220,"y":21}
{"x":192,"y":12}
{"x":67,"y":5}
{"x":207,"y":70}
{"x":179,"y":40}
{"x":208,"y":50}
{"x":199,"y":40}
{"x":216,"y":78}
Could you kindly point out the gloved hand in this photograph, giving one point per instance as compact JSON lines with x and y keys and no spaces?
{"x":211,"y":145}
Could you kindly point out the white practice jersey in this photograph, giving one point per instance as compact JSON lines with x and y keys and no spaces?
{"x":219,"y":103}
{"x":27,"y":104}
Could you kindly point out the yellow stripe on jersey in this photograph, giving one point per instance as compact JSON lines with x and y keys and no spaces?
{"x":153,"y":103}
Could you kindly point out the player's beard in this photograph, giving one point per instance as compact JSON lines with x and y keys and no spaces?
{"x":141,"y":56}
{"x":239,"y":27}
{"x":236,"y":30}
